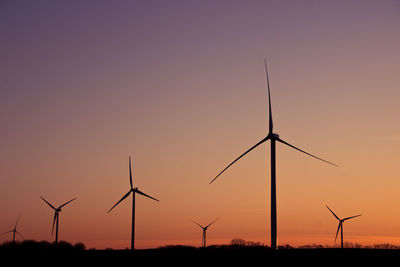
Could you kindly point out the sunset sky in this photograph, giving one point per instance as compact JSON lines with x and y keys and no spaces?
{"x":180,"y":86}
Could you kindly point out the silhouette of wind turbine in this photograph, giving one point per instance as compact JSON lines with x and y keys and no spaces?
{"x":56,"y":215}
{"x":273,"y":137}
{"x":14,"y":231}
{"x":340,"y":227}
{"x":133,"y":190}
{"x":203,"y":238}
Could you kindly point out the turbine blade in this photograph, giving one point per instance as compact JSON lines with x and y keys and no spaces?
{"x":67,"y":203}
{"x":347,"y":218}
{"x":125,"y":196}
{"x":19,"y":234}
{"x":333,"y":213}
{"x":130,"y":173}
{"x":198,"y":224}
{"x":54,"y":221}
{"x":212,"y":222}
{"x":337,"y":232}
{"x":143,"y":194}
{"x":286,"y":143}
{"x":47,"y":202}
{"x":7,"y":232}
{"x":16,"y":223}
{"x":269,"y":98}
{"x":256,"y":145}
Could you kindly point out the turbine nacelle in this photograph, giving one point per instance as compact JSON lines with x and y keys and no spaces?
{"x":273,"y":136}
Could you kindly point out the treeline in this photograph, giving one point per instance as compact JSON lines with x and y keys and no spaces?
{"x":236,"y":243}
{"x":41,"y":245}
{"x":353,"y":245}
{"x":241,"y":243}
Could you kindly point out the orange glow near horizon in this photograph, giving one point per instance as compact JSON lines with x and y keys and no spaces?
{"x":181,"y":88}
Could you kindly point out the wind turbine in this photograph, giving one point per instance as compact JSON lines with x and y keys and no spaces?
{"x":340,"y":227}
{"x":133,"y":190}
{"x":56,"y":215}
{"x":273,"y":137}
{"x":203,"y":238}
{"x":14,"y":231}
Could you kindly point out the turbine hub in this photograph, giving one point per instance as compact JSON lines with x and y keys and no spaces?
{"x":273,"y":136}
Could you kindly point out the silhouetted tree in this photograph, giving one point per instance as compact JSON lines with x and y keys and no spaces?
{"x":238,"y":242}
{"x":79,"y":246}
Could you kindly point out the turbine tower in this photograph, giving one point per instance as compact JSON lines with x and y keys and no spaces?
{"x":204,"y":236}
{"x":273,"y":137}
{"x":340,"y":227}
{"x":14,"y":231}
{"x":133,"y":190}
{"x":56,"y":216}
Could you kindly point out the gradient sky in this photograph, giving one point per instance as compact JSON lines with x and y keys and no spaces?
{"x":180,"y":86}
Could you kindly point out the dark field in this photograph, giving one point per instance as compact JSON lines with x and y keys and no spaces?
{"x":212,"y":256}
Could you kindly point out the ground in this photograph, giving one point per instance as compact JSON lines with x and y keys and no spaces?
{"x":188,"y":256}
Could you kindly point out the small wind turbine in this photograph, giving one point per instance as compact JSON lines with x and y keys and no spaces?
{"x":340,"y":227}
{"x":203,"y":238}
{"x":133,"y":190}
{"x":273,"y":137}
{"x":56,"y":215}
{"x":14,"y":231}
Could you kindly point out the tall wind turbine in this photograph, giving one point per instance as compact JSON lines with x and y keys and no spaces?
{"x":14,"y":231}
{"x":340,"y":227}
{"x":273,"y":137}
{"x":56,"y":215}
{"x":203,"y":238}
{"x":133,"y":190}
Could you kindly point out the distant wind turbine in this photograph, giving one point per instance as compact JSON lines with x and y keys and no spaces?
{"x":203,"y":238}
{"x":340,"y":227}
{"x":133,"y":190}
{"x":14,"y":231}
{"x":56,"y":215}
{"x":273,"y":137}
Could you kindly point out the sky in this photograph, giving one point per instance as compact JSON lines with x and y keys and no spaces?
{"x":180,"y":87}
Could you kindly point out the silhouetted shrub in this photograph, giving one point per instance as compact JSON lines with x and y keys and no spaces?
{"x":311,"y":246}
{"x":44,"y":244}
{"x":79,"y":246}
{"x":64,"y":245}
{"x":286,"y":246}
{"x":177,"y":247}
